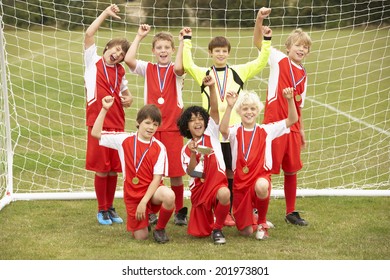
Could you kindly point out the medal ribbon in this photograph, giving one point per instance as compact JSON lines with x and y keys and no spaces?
{"x":220,"y":88}
{"x":162,"y":81}
{"x":108,"y":79}
{"x":137,"y":165}
{"x":292,"y":75}
{"x":250,"y":142}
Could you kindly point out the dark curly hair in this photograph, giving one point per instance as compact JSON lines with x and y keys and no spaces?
{"x":186,"y":116}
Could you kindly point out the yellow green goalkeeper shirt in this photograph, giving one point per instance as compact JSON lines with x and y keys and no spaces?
{"x":225,"y":79}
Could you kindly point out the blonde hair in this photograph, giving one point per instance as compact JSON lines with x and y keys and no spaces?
{"x":248,"y":98}
{"x":298,"y":35}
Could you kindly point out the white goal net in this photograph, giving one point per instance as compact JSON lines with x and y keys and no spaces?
{"x":42,"y":117}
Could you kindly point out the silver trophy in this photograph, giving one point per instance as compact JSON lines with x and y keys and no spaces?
{"x":198,"y":171}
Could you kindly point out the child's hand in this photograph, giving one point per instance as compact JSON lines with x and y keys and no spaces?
{"x":186,"y":31}
{"x":107,"y":102}
{"x":193,"y":145}
{"x":143,"y":30}
{"x":263,"y":13}
{"x":112,"y":11}
{"x":288,"y":93}
{"x":231,"y":98}
{"x":126,"y":100}
{"x":208,"y":81}
{"x":267,"y":31}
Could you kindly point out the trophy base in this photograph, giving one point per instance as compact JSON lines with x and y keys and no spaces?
{"x":197,"y":174}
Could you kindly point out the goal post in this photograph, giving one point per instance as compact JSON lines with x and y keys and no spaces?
{"x":6,"y":150}
{"x":346,"y":113}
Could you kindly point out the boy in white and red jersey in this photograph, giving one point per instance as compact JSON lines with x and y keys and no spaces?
{"x":163,"y":87}
{"x":144,"y":163}
{"x":252,"y":158}
{"x":210,"y":195}
{"x":105,"y":76}
{"x":288,"y":71}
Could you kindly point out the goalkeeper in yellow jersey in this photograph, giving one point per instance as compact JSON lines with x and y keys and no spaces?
{"x":227,"y":77}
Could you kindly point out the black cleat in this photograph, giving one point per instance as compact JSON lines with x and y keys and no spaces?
{"x":295,"y":219}
{"x":218,"y":237}
{"x":180,"y":218}
{"x":160,"y":236}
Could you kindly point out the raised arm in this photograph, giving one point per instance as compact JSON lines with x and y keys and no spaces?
{"x":98,"y":125}
{"x":257,"y":31}
{"x":131,"y":55}
{"x":179,"y":68}
{"x":190,"y":67}
{"x":292,"y":117}
{"x":89,"y":39}
{"x":231,"y":98}
{"x":208,"y":81}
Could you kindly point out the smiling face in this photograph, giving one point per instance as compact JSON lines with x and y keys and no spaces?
{"x":298,"y":51}
{"x":114,"y":55}
{"x":163,"y":51}
{"x":248,"y":114}
{"x":219,"y":56}
{"x":196,"y":125}
{"x":147,"y":128}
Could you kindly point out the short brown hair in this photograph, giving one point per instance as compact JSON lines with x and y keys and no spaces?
{"x":163,"y":36}
{"x":219,"y":42}
{"x":149,"y":111}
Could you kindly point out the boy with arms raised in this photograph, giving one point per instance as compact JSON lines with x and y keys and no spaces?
{"x":143,"y":160}
{"x":105,"y":76}
{"x":252,"y":158}
{"x":210,"y":196}
{"x":227,"y":77}
{"x":163,"y":87}
{"x":288,"y":71}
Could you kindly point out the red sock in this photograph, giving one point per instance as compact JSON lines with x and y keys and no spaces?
{"x":100,"y":190}
{"x":290,"y":192}
{"x":220,"y":213}
{"x":179,"y":193}
{"x":262,"y":208}
{"x":163,"y":218}
{"x":111,"y":188}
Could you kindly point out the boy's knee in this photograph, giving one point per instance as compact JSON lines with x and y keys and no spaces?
{"x":223,"y":195}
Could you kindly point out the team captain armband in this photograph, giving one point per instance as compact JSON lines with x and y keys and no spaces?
{"x":186,"y":37}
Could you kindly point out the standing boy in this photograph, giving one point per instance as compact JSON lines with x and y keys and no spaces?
{"x":288,"y":71}
{"x":163,"y":87}
{"x":228,"y":78}
{"x":252,"y":158}
{"x":105,"y":76}
{"x":143,"y":159}
{"x":210,"y":196}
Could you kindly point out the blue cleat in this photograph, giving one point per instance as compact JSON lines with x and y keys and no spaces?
{"x":114,"y":216}
{"x":104,"y":218}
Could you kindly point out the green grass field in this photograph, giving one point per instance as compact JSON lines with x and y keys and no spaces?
{"x":346,"y":122}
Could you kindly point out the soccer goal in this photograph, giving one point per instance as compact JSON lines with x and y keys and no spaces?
{"x":346,"y":114}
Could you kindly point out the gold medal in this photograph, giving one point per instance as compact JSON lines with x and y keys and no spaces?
{"x":135,"y":180}
{"x":298,"y":97}
{"x":245,"y":169}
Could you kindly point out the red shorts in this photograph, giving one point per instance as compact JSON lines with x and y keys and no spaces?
{"x":201,"y":221}
{"x":132,"y":223}
{"x":286,"y":152}
{"x":173,"y":142}
{"x":99,"y":158}
{"x":243,"y":203}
